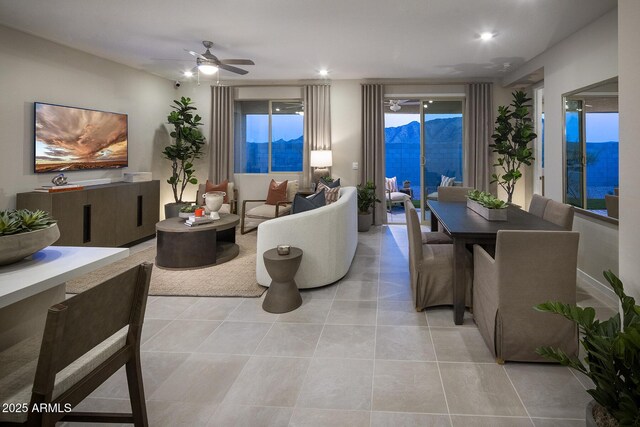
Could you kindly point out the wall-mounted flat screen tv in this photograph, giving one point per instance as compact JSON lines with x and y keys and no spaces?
{"x":73,"y":139}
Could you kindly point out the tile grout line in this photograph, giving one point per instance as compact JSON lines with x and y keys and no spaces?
{"x":375,"y":334}
{"x":444,"y":392}
{"x":518,"y":394}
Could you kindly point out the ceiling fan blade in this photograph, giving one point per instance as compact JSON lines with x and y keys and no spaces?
{"x":196,"y":54}
{"x":237,"y":61}
{"x":233,"y":69}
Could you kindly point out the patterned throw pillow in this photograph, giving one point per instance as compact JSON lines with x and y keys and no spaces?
{"x":446,"y":181}
{"x":391,"y":184}
{"x":277,"y":192}
{"x":223,"y":186}
{"x":330,"y":194}
{"x":332,"y":184}
{"x":303,"y":204}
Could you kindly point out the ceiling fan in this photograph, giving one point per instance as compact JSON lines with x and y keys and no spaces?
{"x":207,"y":63}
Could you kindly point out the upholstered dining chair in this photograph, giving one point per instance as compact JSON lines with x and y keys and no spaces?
{"x":428,"y":237}
{"x":559,"y":214}
{"x":529,"y":268}
{"x":538,"y":205}
{"x":431,"y":270}
{"x":453,"y":194}
{"x":87,"y":338}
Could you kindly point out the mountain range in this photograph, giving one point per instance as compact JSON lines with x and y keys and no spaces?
{"x":438,"y":130}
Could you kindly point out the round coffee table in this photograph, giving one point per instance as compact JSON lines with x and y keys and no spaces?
{"x":283,"y":295}
{"x":180,"y":246}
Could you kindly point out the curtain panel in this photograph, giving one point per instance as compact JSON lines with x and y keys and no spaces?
{"x":373,"y":166}
{"x":317,"y":124}
{"x":221,"y":146}
{"x":477,"y":153}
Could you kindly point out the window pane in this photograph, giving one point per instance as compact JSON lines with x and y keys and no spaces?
{"x":286,"y":136}
{"x":443,"y":138}
{"x":602,"y":156}
{"x":573,"y":138}
{"x":402,"y":146}
{"x":251,"y":137}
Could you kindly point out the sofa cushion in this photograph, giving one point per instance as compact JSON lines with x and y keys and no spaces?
{"x":277,"y":192}
{"x":332,"y":184}
{"x":396,"y":196}
{"x":303,"y":204}
{"x":330,"y":194}
{"x":267,"y":211}
{"x":223,"y":186}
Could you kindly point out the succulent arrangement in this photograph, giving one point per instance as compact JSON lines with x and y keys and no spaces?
{"x":23,"y":221}
{"x":487,"y":200}
{"x":612,"y":350}
{"x":189,"y":208}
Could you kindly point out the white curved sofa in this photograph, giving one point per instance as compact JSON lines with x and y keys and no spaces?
{"x":328,"y":237}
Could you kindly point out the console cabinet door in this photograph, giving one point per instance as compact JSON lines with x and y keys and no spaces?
{"x":69,"y":209}
{"x":127,"y":229}
{"x":103,"y":204}
{"x":150,"y":207}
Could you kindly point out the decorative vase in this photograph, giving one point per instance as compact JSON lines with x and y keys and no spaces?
{"x":486,"y":213}
{"x":16,"y":247}
{"x":364,"y":221}
{"x":213,"y":200}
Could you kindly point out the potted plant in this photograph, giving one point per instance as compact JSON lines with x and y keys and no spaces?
{"x":512,"y":134}
{"x":612,"y":359}
{"x":366,"y":200}
{"x":23,"y":233}
{"x":487,"y":205}
{"x":406,"y":184}
{"x":187,"y":146}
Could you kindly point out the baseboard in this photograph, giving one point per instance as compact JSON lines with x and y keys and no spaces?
{"x":606,"y":290}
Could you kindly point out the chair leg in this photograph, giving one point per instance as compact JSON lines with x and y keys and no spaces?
{"x":136,"y":391}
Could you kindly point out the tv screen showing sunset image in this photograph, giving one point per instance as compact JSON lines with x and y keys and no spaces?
{"x":70,"y":139}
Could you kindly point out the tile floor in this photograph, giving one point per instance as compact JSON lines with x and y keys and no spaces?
{"x":354,"y":354}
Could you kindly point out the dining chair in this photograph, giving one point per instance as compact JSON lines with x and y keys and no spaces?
{"x":559,"y":214}
{"x":529,"y":268}
{"x":428,"y":237}
{"x":537,"y":205}
{"x":431,"y":269}
{"x":612,"y":204}
{"x":453,"y":194}
{"x":86,"y":339}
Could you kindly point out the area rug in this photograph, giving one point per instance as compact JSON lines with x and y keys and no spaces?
{"x":235,"y":278}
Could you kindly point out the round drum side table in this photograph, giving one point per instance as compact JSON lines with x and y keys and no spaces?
{"x":283,"y":295}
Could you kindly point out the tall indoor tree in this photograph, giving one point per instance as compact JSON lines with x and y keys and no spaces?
{"x":187,"y":146}
{"x":512,"y":135}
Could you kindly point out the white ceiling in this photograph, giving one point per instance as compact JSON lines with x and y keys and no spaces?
{"x":292,"y":39}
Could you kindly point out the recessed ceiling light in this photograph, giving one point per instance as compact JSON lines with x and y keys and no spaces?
{"x":323,"y":72}
{"x":426,"y":105}
{"x":431,"y":101}
{"x":188,"y":74}
{"x":486,"y":36}
{"x":277,"y":109}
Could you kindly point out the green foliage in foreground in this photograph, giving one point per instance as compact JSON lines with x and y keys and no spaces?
{"x":612,"y":353}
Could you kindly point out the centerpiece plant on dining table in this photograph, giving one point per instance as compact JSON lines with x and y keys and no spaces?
{"x":487,"y":200}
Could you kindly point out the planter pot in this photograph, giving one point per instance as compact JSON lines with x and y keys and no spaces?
{"x":172,"y":210}
{"x":591,"y":422}
{"x":364,"y":221}
{"x":486,"y":213}
{"x":603,"y":416}
{"x":16,"y":247}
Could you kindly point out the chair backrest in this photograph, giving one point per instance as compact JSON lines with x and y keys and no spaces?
{"x":613,"y":208}
{"x":453,"y":194}
{"x":415,"y":242}
{"x":85,"y":320}
{"x":202,"y":187}
{"x":538,"y":205}
{"x":536,"y":266}
{"x":559,"y":214}
{"x":408,"y":205}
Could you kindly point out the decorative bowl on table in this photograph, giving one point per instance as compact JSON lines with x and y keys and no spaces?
{"x":187,"y":211}
{"x":213,"y":201}
{"x":15,"y":247}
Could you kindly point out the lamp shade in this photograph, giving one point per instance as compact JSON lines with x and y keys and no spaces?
{"x":320,"y":159}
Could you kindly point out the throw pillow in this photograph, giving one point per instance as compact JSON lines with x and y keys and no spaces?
{"x":391,"y":184}
{"x":223,"y":186}
{"x":303,"y":204}
{"x":446,"y":181}
{"x":277,"y":192}
{"x":330,"y":194}
{"x":332,"y":184}
{"x":292,"y":188}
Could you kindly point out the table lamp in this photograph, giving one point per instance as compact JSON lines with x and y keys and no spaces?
{"x":321,"y":161}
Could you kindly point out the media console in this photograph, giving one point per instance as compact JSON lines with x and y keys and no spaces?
{"x":113,"y":214}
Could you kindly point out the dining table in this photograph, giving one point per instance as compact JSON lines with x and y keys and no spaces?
{"x":468,"y":228}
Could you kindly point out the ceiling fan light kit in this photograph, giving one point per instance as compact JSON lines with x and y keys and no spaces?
{"x":207,"y":63}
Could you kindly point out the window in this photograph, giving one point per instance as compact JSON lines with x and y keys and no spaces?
{"x":268,"y":136}
{"x":591,"y":147}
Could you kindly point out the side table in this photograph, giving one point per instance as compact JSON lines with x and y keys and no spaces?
{"x":283,"y":294}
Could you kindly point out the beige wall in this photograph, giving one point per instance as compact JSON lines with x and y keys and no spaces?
{"x":584,"y":58}
{"x":33,"y":69}
{"x":629,"y":63}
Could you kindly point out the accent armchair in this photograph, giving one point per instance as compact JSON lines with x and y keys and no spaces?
{"x":252,"y":217}
{"x":231,"y":207}
{"x":529,"y":268}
